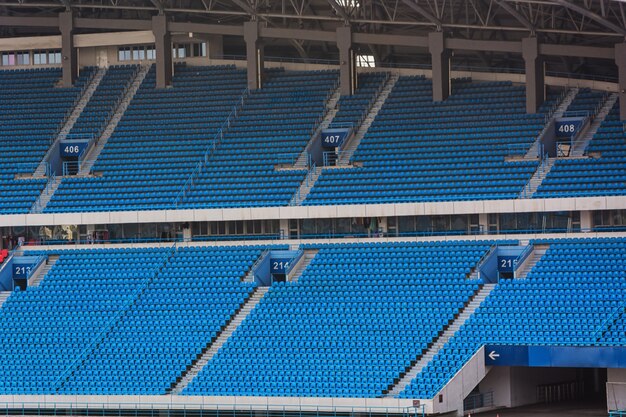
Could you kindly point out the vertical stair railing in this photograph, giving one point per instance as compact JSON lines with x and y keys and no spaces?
{"x":210,"y":149}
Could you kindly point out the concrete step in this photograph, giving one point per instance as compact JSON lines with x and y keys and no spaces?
{"x":94,"y":152}
{"x":85,"y":97}
{"x":440,"y":342}
{"x":221,"y":339}
{"x":46,"y":195}
{"x":349,"y":148}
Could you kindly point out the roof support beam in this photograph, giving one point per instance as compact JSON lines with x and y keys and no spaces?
{"x":588,"y":13}
{"x":340,"y":10}
{"x":419,"y":9}
{"x":517,"y":15}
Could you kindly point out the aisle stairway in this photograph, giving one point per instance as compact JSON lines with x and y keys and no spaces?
{"x":215,"y":345}
{"x":350,"y":147}
{"x":405,"y":379}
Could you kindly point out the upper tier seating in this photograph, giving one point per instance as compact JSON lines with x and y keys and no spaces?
{"x":592,"y":177}
{"x":273,"y":128}
{"x":564,"y":300}
{"x":356,"y":318}
{"x":352,"y":108}
{"x":99,"y":110}
{"x":32,"y":110}
{"x":157,"y":143}
{"x":454,"y":150}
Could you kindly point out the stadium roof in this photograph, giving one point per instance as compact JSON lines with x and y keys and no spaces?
{"x":599,"y":23}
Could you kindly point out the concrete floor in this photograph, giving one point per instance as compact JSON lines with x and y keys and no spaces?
{"x":551,"y":410}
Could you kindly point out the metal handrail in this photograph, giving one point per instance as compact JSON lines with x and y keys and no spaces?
{"x":294,"y":261}
{"x":130,"y":301}
{"x":38,"y":262}
{"x":604,"y":326}
{"x":217,"y":139}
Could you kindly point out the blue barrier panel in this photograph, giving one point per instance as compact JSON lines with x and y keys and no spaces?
{"x":507,"y":263}
{"x":333,"y":138}
{"x":279,"y":265}
{"x":506,"y":355}
{"x":73,"y":148}
{"x":556,"y":356}
{"x":568,"y":126}
{"x":23,"y":265}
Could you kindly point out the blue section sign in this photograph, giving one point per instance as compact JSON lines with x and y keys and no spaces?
{"x":73,"y":148}
{"x":556,"y":356}
{"x":333,"y":138}
{"x":507,"y":263}
{"x":279,"y":265}
{"x":22,"y":270}
{"x":568,"y":126}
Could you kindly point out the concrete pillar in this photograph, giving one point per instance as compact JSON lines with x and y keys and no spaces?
{"x":483,"y":222}
{"x":620,"y":60}
{"x":441,"y":66}
{"x":69,"y":57}
{"x":215,"y":46}
{"x":254,"y":54}
{"x":586,"y":221}
{"x":284,"y":228}
{"x":347,"y":67}
{"x":163,"y":46}
{"x":535,"y":84}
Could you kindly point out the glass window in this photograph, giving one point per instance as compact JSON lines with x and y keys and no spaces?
{"x":366,"y":61}
{"x":151,"y":53}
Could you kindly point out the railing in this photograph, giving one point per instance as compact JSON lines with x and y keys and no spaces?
{"x":258,"y":262}
{"x":541,"y":170}
{"x":160,"y":408}
{"x":289,"y":159}
{"x":606,"y":324}
{"x":37,"y":206}
{"x":208,"y":152}
{"x":478,"y":400}
{"x":564,"y":391}
{"x":617,"y":413}
{"x":40,"y":259}
{"x":308,"y":182}
{"x":522,"y":256}
{"x":69,"y":112}
{"x":294,"y":262}
{"x":132,"y":299}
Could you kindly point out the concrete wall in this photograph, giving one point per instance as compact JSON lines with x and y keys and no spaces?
{"x":319,"y":212}
{"x":175,"y":402}
{"x":451,"y":397}
{"x":616,"y":389}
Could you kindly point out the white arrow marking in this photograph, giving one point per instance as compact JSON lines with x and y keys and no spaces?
{"x":493,"y":355}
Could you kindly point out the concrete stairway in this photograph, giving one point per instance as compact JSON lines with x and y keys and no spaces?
{"x":45,"y":196}
{"x":212,"y":348}
{"x":306,"y":186}
{"x":350,"y":147}
{"x":36,"y":279}
{"x":535,"y":181}
{"x":331,"y":112}
{"x":585,"y":137}
{"x":72,"y":118}
{"x":531,"y":261}
{"x":469,"y":309}
{"x":94,"y":152}
{"x":533,"y":152}
{"x":3,"y":297}
{"x":302,"y":265}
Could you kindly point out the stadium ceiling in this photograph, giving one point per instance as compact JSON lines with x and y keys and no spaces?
{"x":582,"y":22}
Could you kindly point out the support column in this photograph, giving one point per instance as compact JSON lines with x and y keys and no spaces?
{"x":69,"y":57}
{"x":163,"y":46}
{"x":535,"y":84}
{"x":441,"y":66}
{"x":620,"y":60}
{"x":586,"y":221}
{"x":215,"y":46}
{"x":254,"y":54}
{"x":347,"y":68}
